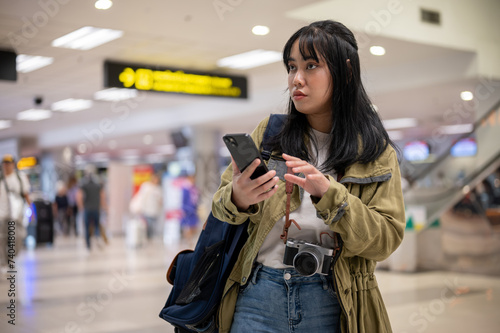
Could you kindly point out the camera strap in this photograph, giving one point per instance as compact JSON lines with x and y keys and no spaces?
{"x":288,"y":221}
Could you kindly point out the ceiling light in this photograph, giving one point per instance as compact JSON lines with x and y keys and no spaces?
{"x":395,"y":135}
{"x":103,"y":4}
{"x":250,"y":59}
{"x":377,"y":50}
{"x":260,"y":30}
{"x":115,"y":94}
{"x":5,"y":124}
{"x":399,"y":123}
{"x":100,"y":157}
{"x":34,"y":114}
{"x":457,"y":129}
{"x":147,"y":139}
{"x":28,"y":63}
{"x":87,"y":38}
{"x":165,"y":149}
{"x":71,"y":105}
{"x":82,"y":148}
{"x":466,"y":95}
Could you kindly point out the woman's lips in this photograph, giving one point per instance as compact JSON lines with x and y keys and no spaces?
{"x":298,"y":95}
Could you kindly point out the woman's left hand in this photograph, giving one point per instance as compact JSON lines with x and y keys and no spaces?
{"x":315,"y":183}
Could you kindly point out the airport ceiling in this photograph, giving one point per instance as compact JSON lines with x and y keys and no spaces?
{"x":411,"y":80}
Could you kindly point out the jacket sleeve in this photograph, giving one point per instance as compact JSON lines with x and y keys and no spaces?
{"x":369,"y":213}
{"x":222,"y":206}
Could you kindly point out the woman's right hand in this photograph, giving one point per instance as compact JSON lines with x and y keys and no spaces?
{"x":246,"y":191}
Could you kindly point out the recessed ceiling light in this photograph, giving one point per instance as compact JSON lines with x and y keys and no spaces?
{"x":34,"y":115}
{"x":147,"y":139}
{"x":103,"y":4}
{"x":260,"y":30}
{"x":377,"y":50}
{"x":71,"y":105}
{"x":82,"y":148}
{"x":5,"y":124}
{"x":399,"y":123}
{"x":466,"y":96}
{"x":87,"y":38}
{"x":28,"y":63}
{"x":457,"y":129}
{"x":115,"y":94}
{"x":250,"y":59}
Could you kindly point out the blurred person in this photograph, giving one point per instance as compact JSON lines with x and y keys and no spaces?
{"x":61,"y":208}
{"x":14,"y":190}
{"x":73,"y":207}
{"x":148,"y":203}
{"x":189,"y":220}
{"x":342,"y":189}
{"x":91,"y":199}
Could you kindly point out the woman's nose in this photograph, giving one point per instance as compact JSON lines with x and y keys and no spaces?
{"x":298,"y":79}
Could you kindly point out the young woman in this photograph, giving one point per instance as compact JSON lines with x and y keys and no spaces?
{"x":347,"y":186}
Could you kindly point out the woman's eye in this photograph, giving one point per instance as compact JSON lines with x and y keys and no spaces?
{"x":311,"y":66}
{"x":291,"y":67}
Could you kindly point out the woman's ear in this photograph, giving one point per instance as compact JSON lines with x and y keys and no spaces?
{"x":349,"y":67}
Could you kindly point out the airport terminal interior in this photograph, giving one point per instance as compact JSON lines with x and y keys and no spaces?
{"x":137,"y":95}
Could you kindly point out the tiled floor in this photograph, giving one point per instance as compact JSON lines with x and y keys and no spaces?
{"x":63,"y":288}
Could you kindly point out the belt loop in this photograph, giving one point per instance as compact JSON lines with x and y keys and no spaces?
{"x":254,"y":273}
{"x":325,"y":281}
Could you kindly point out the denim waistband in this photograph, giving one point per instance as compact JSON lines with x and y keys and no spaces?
{"x":288,"y":274}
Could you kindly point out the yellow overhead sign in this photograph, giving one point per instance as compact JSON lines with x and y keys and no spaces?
{"x":174,"y":81}
{"x":26,"y":163}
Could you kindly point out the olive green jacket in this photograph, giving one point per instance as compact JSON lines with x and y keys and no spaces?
{"x":365,"y":208}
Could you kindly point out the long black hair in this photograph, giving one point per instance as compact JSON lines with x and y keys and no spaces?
{"x":354,"y":121}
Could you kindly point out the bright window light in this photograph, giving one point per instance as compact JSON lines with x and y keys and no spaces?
{"x":399,"y":123}
{"x":115,"y":94}
{"x":377,"y":50}
{"x":71,"y":105}
{"x":34,"y":114}
{"x":103,"y":4}
{"x":250,"y":59}
{"x":466,"y":96}
{"x":87,"y":38}
{"x":28,"y":63}
{"x":457,"y":129}
{"x":5,"y":124}
{"x":260,"y":30}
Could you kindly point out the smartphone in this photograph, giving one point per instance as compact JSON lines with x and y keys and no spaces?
{"x":244,"y":152}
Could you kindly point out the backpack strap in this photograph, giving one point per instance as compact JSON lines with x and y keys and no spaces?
{"x":274,"y":126}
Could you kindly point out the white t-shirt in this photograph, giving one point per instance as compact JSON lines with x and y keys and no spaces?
{"x":151,"y":199}
{"x":14,"y":187}
{"x":272,"y":250}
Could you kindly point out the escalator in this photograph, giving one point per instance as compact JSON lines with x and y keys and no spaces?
{"x":453,"y":207}
{"x":438,"y":186}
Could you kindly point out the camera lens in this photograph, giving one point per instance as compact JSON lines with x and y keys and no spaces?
{"x":306,"y":263}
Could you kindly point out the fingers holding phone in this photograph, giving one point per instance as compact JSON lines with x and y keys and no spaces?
{"x":255,"y":183}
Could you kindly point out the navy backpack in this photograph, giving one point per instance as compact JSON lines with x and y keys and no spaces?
{"x":198,"y":276}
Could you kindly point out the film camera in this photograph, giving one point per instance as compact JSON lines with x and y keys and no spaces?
{"x":307,"y":258}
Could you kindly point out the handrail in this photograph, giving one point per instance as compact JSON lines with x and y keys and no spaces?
{"x":412,"y":179}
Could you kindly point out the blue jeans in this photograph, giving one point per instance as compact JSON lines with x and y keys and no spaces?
{"x":282,"y":300}
{"x":91,"y":217}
